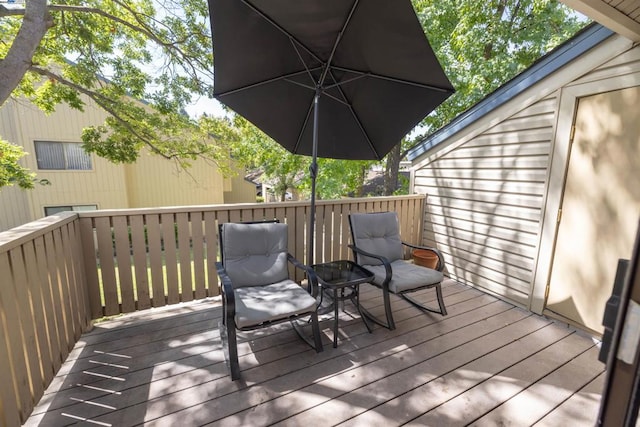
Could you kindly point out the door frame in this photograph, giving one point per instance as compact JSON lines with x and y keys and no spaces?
{"x":596,"y":82}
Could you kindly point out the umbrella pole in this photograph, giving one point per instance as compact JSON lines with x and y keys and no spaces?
{"x":313,"y":170}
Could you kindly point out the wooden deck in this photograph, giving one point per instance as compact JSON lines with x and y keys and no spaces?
{"x":486,"y":363}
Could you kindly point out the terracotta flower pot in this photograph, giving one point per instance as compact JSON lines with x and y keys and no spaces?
{"x":425,"y":258}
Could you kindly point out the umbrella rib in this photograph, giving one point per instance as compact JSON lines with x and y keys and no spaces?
{"x":364,"y":132}
{"x":279,"y":28}
{"x":336,"y":43}
{"x":304,"y":125}
{"x":264,"y":82}
{"x":345,"y":81}
{"x":303,"y":63}
{"x":394,"y":79}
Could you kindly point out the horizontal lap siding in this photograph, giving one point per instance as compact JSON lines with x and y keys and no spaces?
{"x":484,"y":202}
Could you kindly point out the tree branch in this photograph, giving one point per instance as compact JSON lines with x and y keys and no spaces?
{"x":35,"y":24}
{"x":104,"y":102}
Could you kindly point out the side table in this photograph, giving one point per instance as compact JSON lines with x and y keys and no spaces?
{"x":340,"y":275}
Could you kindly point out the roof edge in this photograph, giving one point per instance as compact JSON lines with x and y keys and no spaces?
{"x":586,"y":39}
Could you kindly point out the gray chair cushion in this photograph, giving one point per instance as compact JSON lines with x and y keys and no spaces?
{"x":406,"y":276}
{"x":255,"y":254}
{"x":259,"y":304}
{"x":377,"y":233}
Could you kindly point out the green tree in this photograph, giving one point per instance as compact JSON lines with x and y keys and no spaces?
{"x":256,"y":150}
{"x":481,"y":46}
{"x":339,"y":178}
{"x":115,"y":53}
{"x":286,"y":171}
{"x":10,"y":170}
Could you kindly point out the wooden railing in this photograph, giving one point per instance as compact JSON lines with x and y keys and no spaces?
{"x":155,"y":257}
{"x":44,"y":308}
{"x":59,"y":273}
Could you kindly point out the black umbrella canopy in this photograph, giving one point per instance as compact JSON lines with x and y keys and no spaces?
{"x":368,"y":61}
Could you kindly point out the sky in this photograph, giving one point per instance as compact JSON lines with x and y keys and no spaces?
{"x":203,"y":105}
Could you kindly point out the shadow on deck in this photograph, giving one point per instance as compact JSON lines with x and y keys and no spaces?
{"x":486,"y":363}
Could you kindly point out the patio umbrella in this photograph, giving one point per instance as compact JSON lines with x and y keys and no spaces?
{"x":326,"y":78}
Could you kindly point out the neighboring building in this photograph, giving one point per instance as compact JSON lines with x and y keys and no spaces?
{"x":534,"y":193}
{"x":81,"y":181}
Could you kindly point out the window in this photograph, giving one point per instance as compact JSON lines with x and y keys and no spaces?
{"x":61,"y":156}
{"x":52,"y":210}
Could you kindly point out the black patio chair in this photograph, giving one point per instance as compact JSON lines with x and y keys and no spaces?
{"x":377,"y":247}
{"x":256,"y":289}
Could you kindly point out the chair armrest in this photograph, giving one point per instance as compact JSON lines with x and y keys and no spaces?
{"x":312,"y":278}
{"x":385,"y":262}
{"x":439,"y":254}
{"x":229,"y":298}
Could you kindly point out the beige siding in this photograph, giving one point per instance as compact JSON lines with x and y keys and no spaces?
{"x":488,"y":186}
{"x":240,"y":190}
{"x":14,"y":208}
{"x":154,"y":181}
{"x":151,"y":182}
{"x":103,"y":186}
{"x":14,"y":204}
{"x":484,"y":201}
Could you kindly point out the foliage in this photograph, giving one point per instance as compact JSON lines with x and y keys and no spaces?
{"x":339,"y":178}
{"x":285,"y":171}
{"x":11,"y":172}
{"x":480,"y":48}
{"x":115,"y":53}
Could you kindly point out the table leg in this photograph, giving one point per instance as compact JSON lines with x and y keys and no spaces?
{"x":335,"y":318}
{"x":357,"y":303}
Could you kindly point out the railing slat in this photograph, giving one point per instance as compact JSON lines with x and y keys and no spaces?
{"x":184,"y":248}
{"x":155,"y":259}
{"x":63,"y":282}
{"x":17,"y":367}
{"x":24,"y":324}
{"x":58,"y":308}
{"x":79,"y":282}
{"x":47,"y":303}
{"x":210,"y":237}
{"x":107,"y":266}
{"x":91,"y":266}
{"x":136,"y":224}
{"x":301,"y":232}
{"x":168,"y":227}
{"x":10,"y":410}
{"x":197,"y":238}
{"x":39,"y":320}
{"x":124,"y":262}
{"x":64,"y":260}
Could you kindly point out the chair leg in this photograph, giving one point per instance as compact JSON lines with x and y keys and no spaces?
{"x":417,"y":304}
{"x":232,"y":344}
{"x":316,"y":343}
{"x":443,"y":309}
{"x":387,"y":309}
{"x":315,"y":327}
{"x":228,"y":328}
{"x":389,"y":324}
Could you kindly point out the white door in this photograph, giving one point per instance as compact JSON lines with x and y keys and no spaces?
{"x":600,"y":206}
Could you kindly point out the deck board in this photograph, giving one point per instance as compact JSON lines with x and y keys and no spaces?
{"x":487,"y":363}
